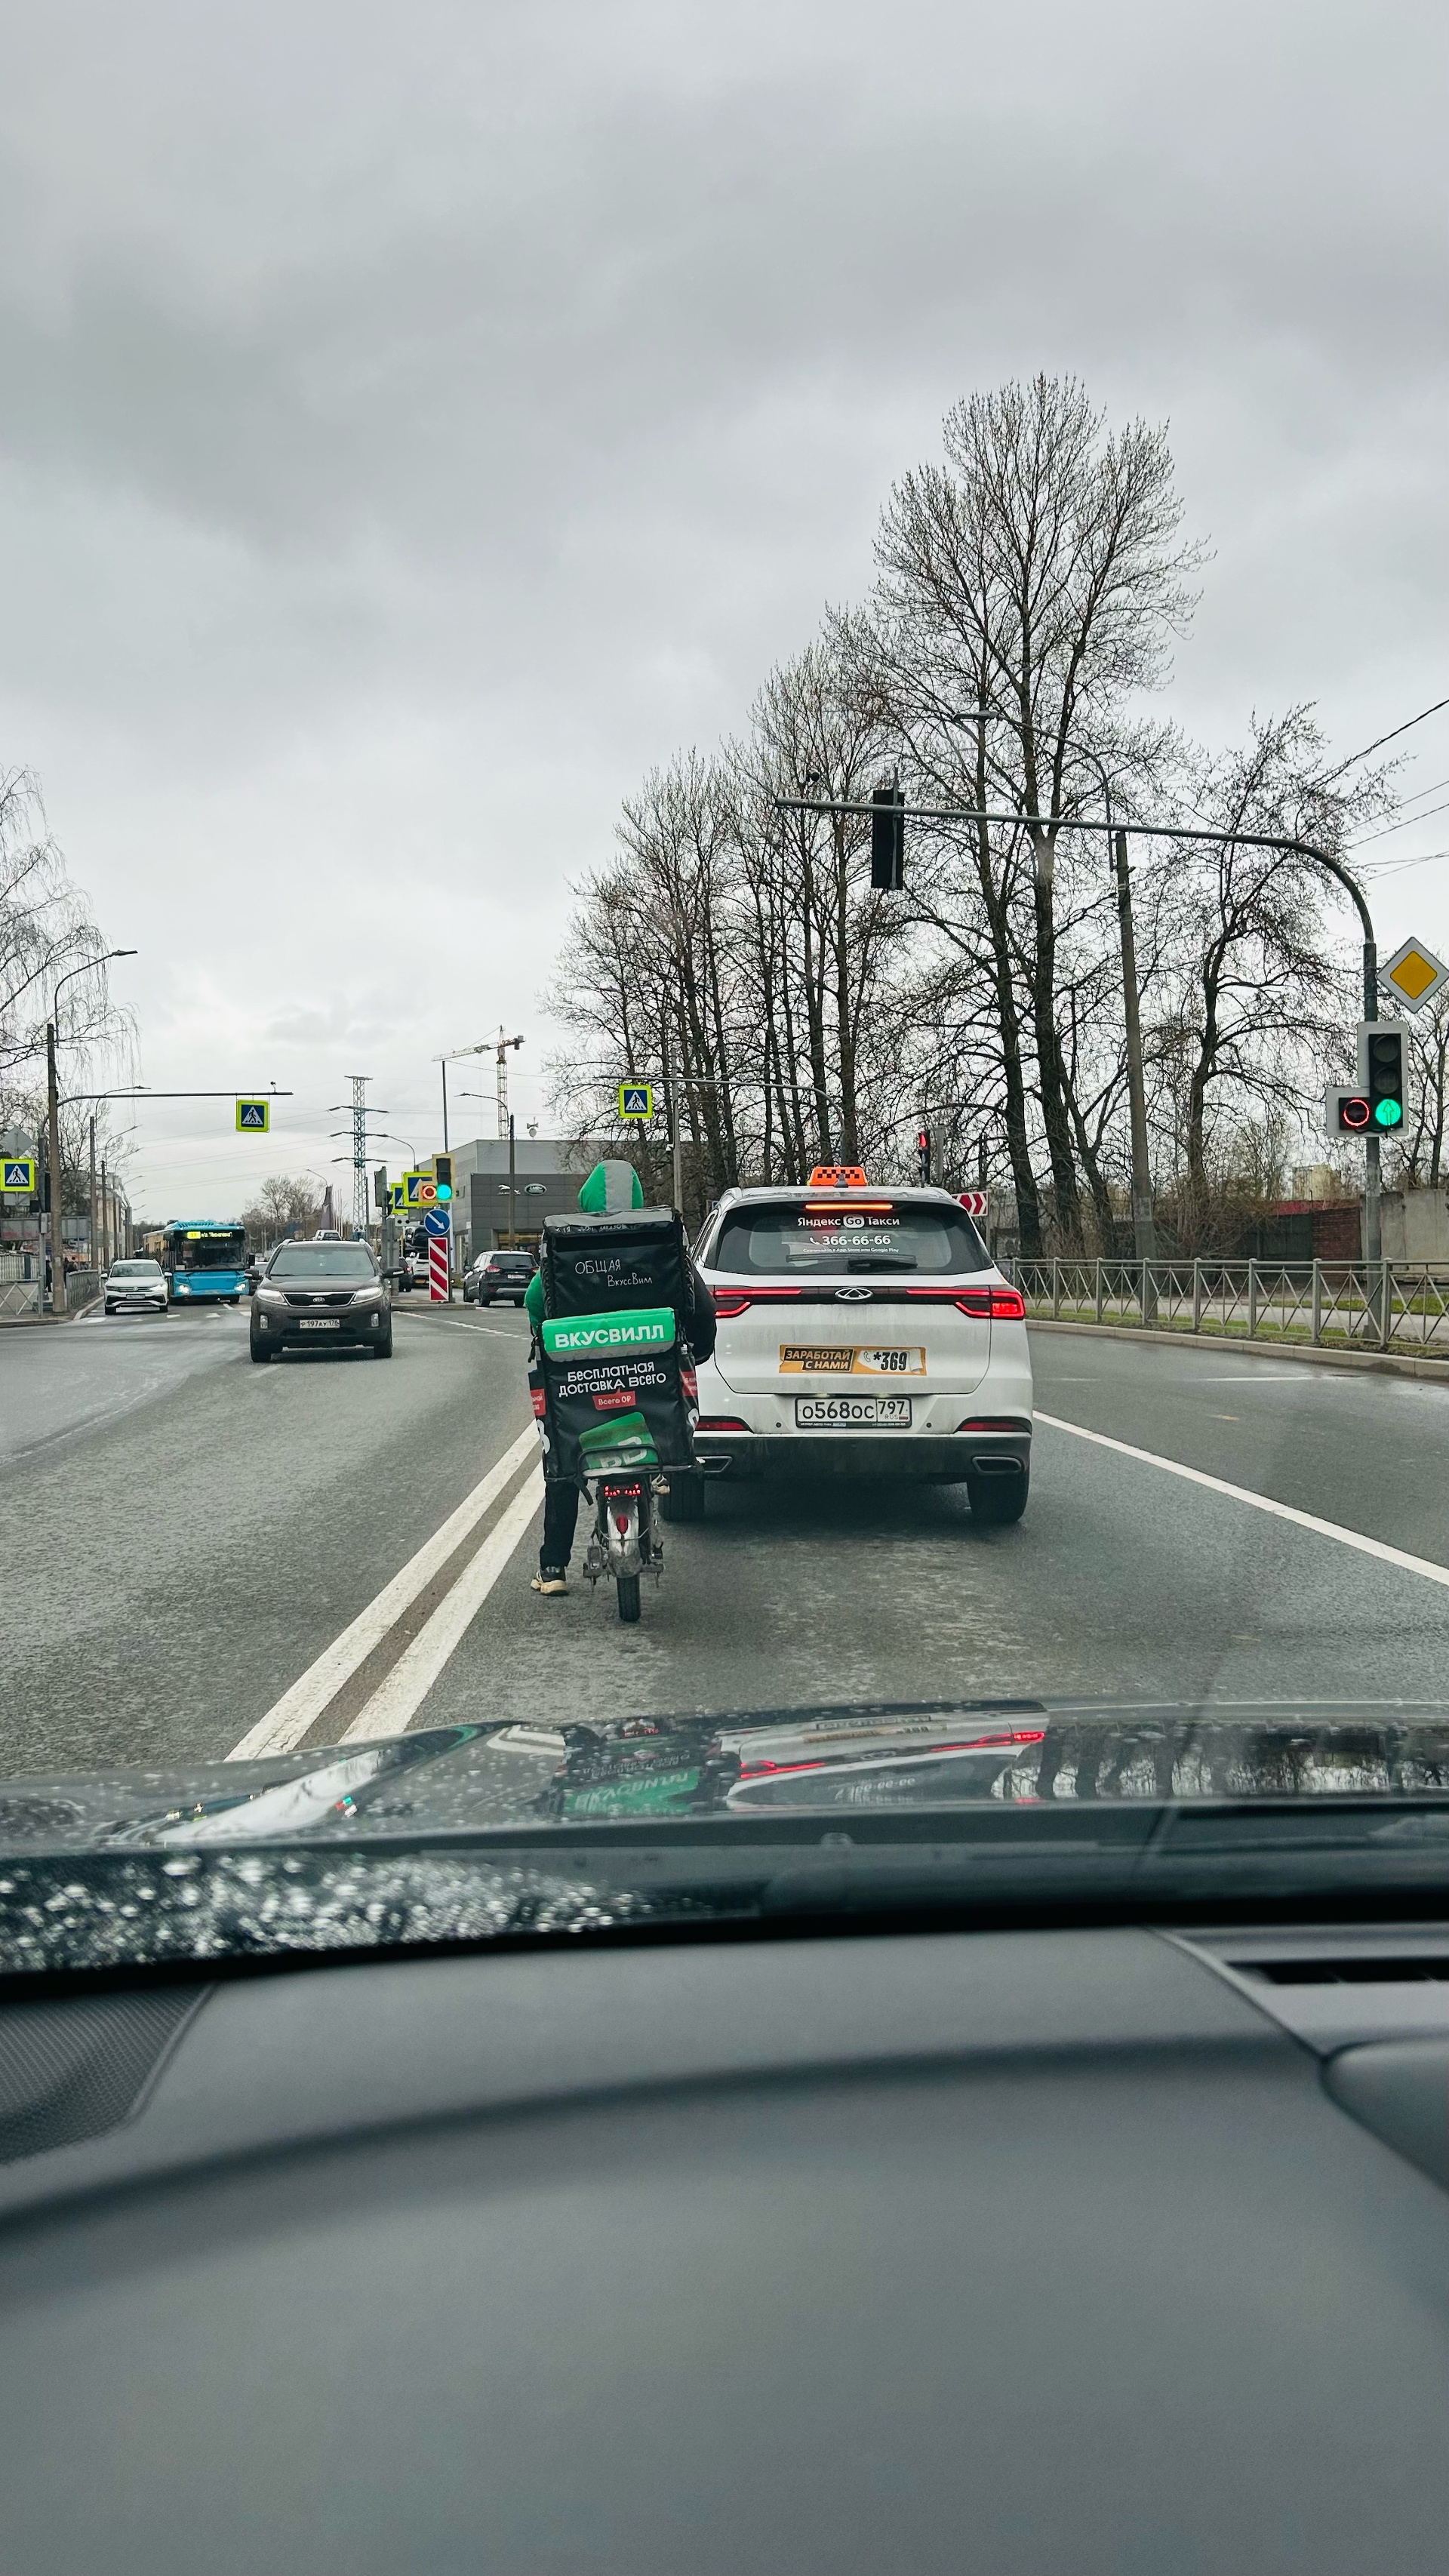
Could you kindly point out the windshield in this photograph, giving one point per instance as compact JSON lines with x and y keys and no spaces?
{"x":806,"y":1239}
{"x":321,"y":1261}
{"x":203,"y":1250}
{"x":723,"y":711}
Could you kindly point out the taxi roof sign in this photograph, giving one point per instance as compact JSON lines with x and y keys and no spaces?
{"x":1414,"y":974}
{"x":838,"y":1176}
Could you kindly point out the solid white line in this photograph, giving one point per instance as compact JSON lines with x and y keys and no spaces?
{"x":1260,"y":1502}
{"x":287,"y":1722}
{"x":398,"y":1697}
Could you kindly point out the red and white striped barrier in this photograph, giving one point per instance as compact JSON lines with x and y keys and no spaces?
{"x":438,"y":1268}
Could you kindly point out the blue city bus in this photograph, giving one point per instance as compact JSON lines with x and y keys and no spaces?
{"x":204,"y":1256}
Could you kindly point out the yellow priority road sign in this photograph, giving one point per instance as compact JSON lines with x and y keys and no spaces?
{"x":1414,"y":974}
{"x":253,"y":1117}
{"x":636,"y":1099}
{"x":17,"y":1172}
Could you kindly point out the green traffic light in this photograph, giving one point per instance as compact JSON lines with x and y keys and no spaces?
{"x":1389,"y":1112}
{"x":445,"y":1188}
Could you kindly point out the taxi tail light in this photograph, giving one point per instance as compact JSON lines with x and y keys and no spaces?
{"x":993,"y":1305}
{"x":720,"y":1422}
{"x":994,"y":1422}
{"x":733,"y":1301}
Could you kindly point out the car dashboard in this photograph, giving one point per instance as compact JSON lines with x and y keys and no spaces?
{"x":1092,"y":2249}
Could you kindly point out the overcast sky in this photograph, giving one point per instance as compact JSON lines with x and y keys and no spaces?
{"x":416,"y":421}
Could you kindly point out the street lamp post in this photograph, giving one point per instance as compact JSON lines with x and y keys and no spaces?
{"x":52,"y":1105}
{"x":1144,"y":1224}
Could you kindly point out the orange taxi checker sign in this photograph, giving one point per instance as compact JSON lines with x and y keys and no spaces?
{"x":838,"y":1176}
{"x":1414,"y":974}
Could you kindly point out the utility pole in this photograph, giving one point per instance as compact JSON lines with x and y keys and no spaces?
{"x":512,"y":1185}
{"x":95,"y":1247}
{"x":676,"y":1140}
{"x":105,"y":1216}
{"x":52,"y":1122}
{"x":1144,"y":1227}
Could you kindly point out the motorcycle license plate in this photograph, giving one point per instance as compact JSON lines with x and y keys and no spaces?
{"x":320,"y":1324}
{"x":852,"y":1413}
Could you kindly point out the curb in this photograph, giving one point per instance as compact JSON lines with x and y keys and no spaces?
{"x":1372,"y":1363}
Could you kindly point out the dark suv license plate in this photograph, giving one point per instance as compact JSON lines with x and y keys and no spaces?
{"x":320,"y":1324}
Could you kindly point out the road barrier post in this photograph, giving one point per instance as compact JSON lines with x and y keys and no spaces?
{"x":1252,"y":1299}
{"x":1317,"y":1303}
{"x":1099,"y":1291}
{"x":1056,"y":1287}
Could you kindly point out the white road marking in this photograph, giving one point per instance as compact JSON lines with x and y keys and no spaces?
{"x":288,"y":1720}
{"x":1259,"y":1502}
{"x":398,"y":1697}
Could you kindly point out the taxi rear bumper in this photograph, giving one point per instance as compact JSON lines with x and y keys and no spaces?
{"x":927,"y":1457}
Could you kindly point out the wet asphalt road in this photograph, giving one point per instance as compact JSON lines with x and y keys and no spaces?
{"x":182,"y":1534}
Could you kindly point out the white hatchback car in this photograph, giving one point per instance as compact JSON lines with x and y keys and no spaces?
{"x":864,"y":1332}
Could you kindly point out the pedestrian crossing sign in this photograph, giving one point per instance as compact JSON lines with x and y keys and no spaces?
{"x":421,"y":1188}
{"x":397,"y":1196}
{"x":253,"y":1117}
{"x":636,"y":1100}
{"x":19,"y":1172}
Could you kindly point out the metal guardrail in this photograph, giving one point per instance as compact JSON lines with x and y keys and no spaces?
{"x":1358,"y":1305}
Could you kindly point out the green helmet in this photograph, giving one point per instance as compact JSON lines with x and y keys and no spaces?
{"x":611,"y":1190}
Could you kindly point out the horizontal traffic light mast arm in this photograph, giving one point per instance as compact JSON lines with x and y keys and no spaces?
{"x":138,"y":1091}
{"x":1088,"y":823}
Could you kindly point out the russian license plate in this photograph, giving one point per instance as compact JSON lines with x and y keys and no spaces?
{"x":852,"y":1413}
{"x":843,"y":1359}
{"x":320,"y":1324}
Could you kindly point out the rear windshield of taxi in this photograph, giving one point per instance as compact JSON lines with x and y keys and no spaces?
{"x":831,"y":1240}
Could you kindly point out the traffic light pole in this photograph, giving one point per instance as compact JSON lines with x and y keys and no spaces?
{"x":1292,"y":848}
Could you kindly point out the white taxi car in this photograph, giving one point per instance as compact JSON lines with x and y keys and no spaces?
{"x":863,"y":1332}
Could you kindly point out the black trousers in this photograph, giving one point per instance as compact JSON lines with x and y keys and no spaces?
{"x":560,"y":1519}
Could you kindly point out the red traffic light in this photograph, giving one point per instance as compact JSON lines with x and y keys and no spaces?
{"x":1353,"y":1113}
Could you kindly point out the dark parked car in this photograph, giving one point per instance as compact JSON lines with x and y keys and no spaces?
{"x":318,"y":1293}
{"x":499,"y":1274}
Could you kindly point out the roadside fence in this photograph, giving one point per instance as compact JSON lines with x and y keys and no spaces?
{"x":21,"y":1285}
{"x":1343,"y":1305}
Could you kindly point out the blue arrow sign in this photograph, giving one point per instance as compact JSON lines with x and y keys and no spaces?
{"x":435,"y":1222}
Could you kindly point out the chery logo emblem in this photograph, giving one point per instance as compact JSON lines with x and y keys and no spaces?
{"x":854,"y":1296}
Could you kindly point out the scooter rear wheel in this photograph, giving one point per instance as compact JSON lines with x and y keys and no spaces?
{"x":628,"y":1596}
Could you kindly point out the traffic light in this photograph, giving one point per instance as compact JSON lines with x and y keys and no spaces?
{"x":923,"y":1152}
{"x":1378,"y":1104}
{"x":1381,"y":1068}
{"x":443,"y":1177}
{"x":888,"y":837}
{"x":379,"y":1187}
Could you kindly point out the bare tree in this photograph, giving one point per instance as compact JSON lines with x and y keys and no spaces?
{"x":1423,"y":1158}
{"x":282,"y":1201}
{"x":1037,"y":577}
{"x":46,"y":930}
{"x":1260,"y":990}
